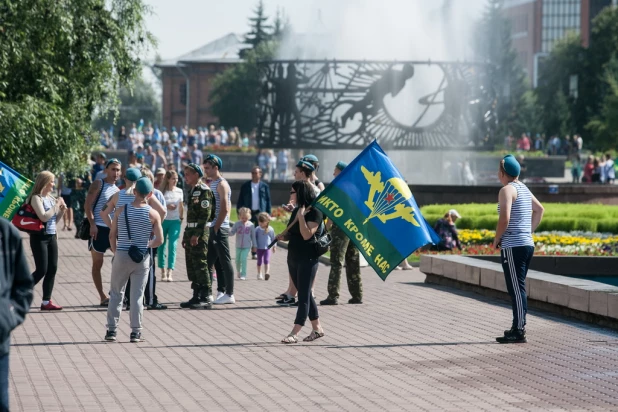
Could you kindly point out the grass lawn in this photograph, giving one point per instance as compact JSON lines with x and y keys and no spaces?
{"x":276,"y":225}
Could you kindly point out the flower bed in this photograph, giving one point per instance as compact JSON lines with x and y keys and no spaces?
{"x":479,"y":242}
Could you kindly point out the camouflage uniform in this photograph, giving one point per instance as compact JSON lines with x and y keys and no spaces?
{"x":342,"y":249}
{"x":200,"y":210}
{"x":78,"y":197}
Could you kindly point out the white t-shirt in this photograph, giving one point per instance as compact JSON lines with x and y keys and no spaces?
{"x":173,"y":197}
{"x":255,"y":196}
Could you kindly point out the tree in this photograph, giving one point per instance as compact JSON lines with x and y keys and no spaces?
{"x":259,"y":28}
{"x":604,"y":126}
{"x":137,"y":101}
{"x":236,"y":91}
{"x":59,"y":63}
{"x":507,"y":79}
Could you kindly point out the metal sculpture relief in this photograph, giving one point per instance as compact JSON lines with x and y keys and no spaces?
{"x":347,"y":104}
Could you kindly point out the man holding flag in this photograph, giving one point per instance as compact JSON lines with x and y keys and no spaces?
{"x":372,"y":204}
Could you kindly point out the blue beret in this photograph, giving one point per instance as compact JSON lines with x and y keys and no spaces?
{"x":214,"y":158}
{"x":133,"y":174}
{"x":143,"y":186}
{"x":112,"y":161}
{"x":341,"y":165}
{"x":305,"y":165}
{"x":310,"y":158}
{"x":511,"y":165}
{"x":196,"y":168}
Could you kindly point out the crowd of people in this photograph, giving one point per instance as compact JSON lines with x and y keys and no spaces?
{"x":138,"y":215}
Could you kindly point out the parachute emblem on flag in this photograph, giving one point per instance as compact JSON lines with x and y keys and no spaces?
{"x":388,"y":200}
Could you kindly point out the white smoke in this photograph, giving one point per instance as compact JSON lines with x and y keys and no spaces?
{"x":385,"y":30}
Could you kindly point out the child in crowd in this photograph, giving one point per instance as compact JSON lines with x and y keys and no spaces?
{"x":245,"y":237}
{"x":264,"y":235}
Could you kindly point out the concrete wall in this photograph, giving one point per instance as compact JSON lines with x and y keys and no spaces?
{"x":584,"y":299}
{"x":569,"y":265}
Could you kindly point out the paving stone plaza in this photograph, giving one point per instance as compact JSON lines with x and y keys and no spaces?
{"x":410,"y":346}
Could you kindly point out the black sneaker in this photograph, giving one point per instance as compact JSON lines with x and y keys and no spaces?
{"x":329,"y":301}
{"x":513,"y":336}
{"x":355,"y":301}
{"x":295,"y":303}
{"x":193,"y":301}
{"x":203,"y":303}
{"x":157,"y":306}
{"x":136,"y":337}
{"x":286,"y":301}
{"x":110,"y":336}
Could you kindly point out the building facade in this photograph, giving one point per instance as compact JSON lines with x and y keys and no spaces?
{"x":188,"y":80}
{"x":536,"y":25}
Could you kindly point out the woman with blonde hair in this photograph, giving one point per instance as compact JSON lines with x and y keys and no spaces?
{"x":171,"y":225}
{"x":44,"y":245}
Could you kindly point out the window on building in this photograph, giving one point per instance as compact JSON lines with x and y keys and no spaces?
{"x":559,"y":18}
{"x":183,"y":93}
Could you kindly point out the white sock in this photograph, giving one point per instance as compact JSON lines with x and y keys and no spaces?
{"x":45,"y":302}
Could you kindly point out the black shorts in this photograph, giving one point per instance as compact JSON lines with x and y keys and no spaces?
{"x":67,"y":199}
{"x":101,"y":244}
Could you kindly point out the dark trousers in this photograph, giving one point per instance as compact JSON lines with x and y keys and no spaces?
{"x":45,"y":250}
{"x":4,"y":383}
{"x":303,"y":273}
{"x":515,"y":263}
{"x":254,"y":220}
{"x":219,"y":256}
{"x":150,"y":297}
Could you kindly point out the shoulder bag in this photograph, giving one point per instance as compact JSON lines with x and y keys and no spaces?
{"x":84,"y":229}
{"x":322,"y":241}
{"x":136,"y":254}
{"x":27,"y":220}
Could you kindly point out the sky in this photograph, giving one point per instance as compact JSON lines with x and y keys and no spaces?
{"x":184,"y":25}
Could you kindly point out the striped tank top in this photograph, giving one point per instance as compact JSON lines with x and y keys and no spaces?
{"x":50,"y":225}
{"x":109,"y":190}
{"x":141,"y":227}
{"x":124,"y":198}
{"x":519,"y":231}
{"x":213,"y":186}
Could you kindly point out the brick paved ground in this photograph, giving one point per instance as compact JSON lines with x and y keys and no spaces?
{"x":409,"y":347}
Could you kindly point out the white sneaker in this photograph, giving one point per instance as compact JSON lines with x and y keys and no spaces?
{"x":219,"y":295}
{"x":225,"y":299}
{"x":260,"y":277}
{"x":243,"y":278}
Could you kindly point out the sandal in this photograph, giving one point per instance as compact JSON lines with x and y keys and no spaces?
{"x":290,"y":339}
{"x":315,"y":334}
{"x":105,"y":303}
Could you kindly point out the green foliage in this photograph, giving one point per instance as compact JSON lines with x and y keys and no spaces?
{"x":59,"y":63}
{"x":236,"y":91}
{"x":260,"y":30}
{"x":139,"y":101}
{"x":604,"y":126}
{"x":557,"y":216}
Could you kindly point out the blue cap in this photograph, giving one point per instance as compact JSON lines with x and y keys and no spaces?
{"x":112,"y":160}
{"x":310,"y":158}
{"x":511,"y":165}
{"x":341,"y":165}
{"x":196,"y":168}
{"x":133,"y":174}
{"x":214,"y":158}
{"x":143,"y":186}
{"x":305,"y":165}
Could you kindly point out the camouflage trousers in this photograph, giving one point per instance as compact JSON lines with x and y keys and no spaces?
{"x":197,"y":266}
{"x":342,"y":250}
{"x":78,"y":200}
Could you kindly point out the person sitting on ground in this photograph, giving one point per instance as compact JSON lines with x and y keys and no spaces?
{"x":446,"y":229}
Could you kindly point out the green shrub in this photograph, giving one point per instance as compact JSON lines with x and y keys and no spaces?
{"x":607,"y":226}
{"x":559,"y":224}
{"x":587,"y":225}
{"x":465,"y":223}
{"x":486,"y":222}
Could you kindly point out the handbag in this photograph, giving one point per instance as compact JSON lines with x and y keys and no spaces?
{"x":135,"y":253}
{"x":27,"y":220}
{"x":322,"y":242}
{"x":84,"y":228}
